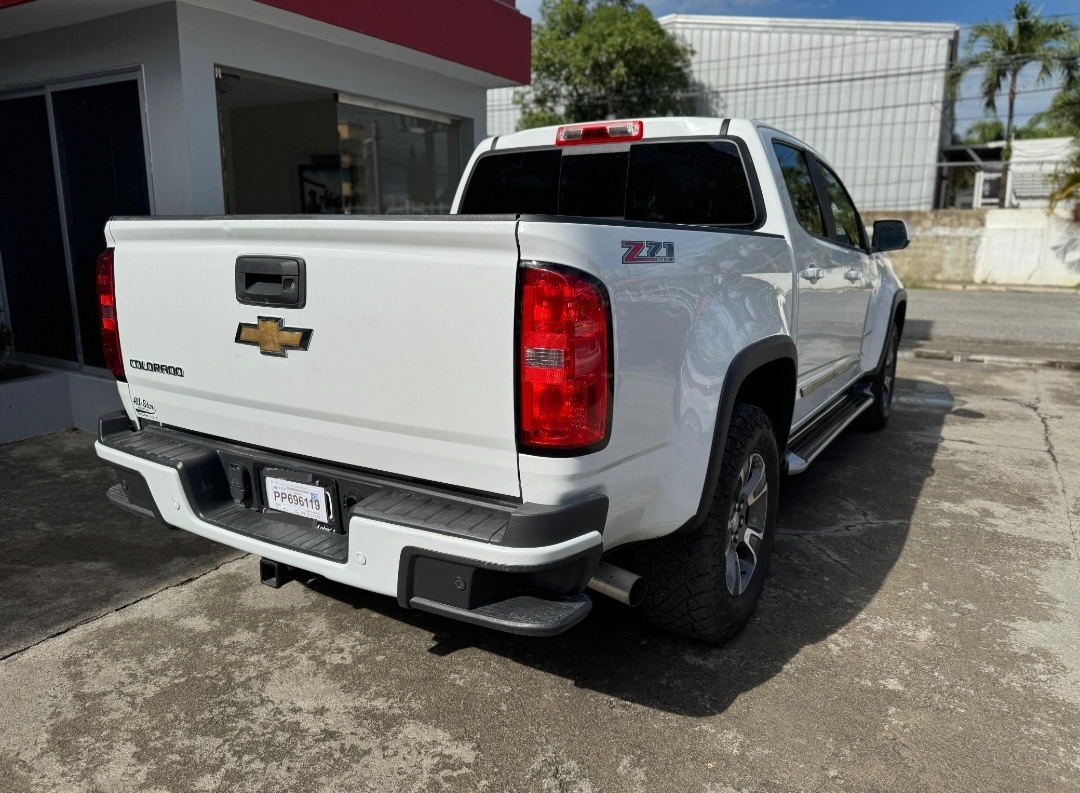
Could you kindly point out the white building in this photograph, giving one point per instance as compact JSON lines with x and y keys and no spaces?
{"x":870,"y":96}
{"x":1033,"y":170}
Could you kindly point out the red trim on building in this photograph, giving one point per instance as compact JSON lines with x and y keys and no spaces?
{"x":487,"y":35}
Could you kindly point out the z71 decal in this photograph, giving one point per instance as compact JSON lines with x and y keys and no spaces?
{"x":647,"y":252}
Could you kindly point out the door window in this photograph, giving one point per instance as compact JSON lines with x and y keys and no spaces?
{"x":845,"y":216}
{"x":800,"y":186}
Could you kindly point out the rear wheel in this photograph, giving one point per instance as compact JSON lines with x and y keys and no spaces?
{"x":704,"y":583}
{"x":882,"y":386}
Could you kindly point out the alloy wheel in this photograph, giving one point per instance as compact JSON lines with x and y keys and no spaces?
{"x":746,"y":525}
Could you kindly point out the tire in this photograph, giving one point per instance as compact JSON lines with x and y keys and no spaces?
{"x":883,"y":385}
{"x":704,"y":583}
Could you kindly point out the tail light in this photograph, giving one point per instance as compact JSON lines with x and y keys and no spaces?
{"x":110,"y":331}
{"x":606,"y":132}
{"x":564,"y":378}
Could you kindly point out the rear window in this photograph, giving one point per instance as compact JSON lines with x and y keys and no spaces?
{"x":690,"y":182}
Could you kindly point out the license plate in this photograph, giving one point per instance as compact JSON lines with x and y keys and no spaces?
{"x":296,"y":498}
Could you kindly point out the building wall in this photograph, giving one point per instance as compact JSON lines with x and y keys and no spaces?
{"x":869,"y":96}
{"x":944,"y":244}
{"x":1015,"y":247}
{"x":502,"y":114}
{"x":1028,"y":246}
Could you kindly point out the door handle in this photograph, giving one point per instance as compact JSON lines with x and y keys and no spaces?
{"x":271,"y":281}
{"x":853,"y":275}
{"x":812,"y":274}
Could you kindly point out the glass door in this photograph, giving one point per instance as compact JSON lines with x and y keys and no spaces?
{"x":75,"y":156}
{"x":99,"y":137}
{"x":38,"y":305}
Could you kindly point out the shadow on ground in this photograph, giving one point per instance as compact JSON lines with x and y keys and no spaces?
{"x":67,"y":554}
{"x":832,"y":556}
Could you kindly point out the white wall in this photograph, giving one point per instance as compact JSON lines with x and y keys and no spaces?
{"x":54,"y":401}
{"x":1009,"y":247}
{"x":1027,"y":246}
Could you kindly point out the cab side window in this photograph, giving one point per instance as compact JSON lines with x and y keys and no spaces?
{"x":845,"y":216}
{"x":800,"y":187}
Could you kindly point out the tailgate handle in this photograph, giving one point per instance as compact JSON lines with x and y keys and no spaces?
{"x":270,"y":281}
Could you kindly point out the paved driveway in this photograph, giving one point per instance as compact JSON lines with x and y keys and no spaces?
{"x":919,"y":632}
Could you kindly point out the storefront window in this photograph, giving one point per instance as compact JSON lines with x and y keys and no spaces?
{"x":300,"y":149}
{"x":395,"y":164}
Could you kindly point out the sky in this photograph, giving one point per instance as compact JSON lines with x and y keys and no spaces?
{"x":960,"y":12}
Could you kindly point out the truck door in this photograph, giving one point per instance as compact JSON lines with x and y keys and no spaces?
{"x":850,"y":257}
{"x":821,"y":284}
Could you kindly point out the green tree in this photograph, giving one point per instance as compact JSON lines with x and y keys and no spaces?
{"x":1063,"y":115}
{"x":597,"y":59}
{"x":1001,"y":50}
{"x":985,"y":130}
{"x":1041,"y":125}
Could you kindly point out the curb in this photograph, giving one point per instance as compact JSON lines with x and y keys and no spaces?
{"x":983,"y":358}
{"x":950,"y":286}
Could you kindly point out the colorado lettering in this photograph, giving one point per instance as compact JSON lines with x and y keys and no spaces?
{"x":159,"y":368}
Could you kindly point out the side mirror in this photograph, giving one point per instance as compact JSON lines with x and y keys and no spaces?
{"x":891,"y":235}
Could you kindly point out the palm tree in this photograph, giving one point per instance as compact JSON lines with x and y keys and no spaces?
{"x":1001,"y":50}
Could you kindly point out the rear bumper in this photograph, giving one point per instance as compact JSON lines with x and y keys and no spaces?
{"x":453,"y":553}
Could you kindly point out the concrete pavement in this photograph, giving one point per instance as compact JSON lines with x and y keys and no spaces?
{"x":67,"y":555}
{"x":920,"y":631}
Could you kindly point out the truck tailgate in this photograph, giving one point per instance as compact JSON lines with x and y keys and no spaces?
{"x":409,"y":368}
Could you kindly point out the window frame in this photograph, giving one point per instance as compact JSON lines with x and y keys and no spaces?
{"x":760,"y":215}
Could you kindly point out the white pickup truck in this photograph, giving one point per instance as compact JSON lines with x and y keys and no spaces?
{"x":618,"y":344}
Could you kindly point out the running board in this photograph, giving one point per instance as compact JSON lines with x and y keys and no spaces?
{"x":811,"y":440}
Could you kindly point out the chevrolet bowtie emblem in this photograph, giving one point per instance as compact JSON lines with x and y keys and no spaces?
{"x":271,"y":338}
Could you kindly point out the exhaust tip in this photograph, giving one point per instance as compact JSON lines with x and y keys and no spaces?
{"x":619,"y":584}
